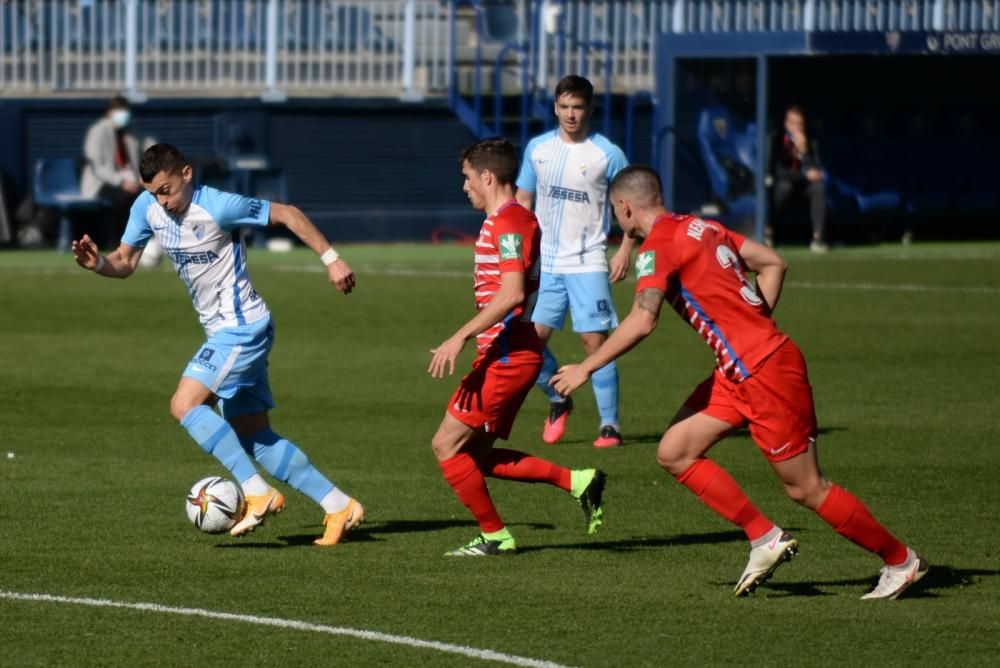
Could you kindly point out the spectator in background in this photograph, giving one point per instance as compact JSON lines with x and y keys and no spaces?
{"x":796,"y":173}
{"x":111,"y":169}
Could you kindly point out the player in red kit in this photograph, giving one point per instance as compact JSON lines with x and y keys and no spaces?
{"x":760,"y":380}
{"x":509,"y":358}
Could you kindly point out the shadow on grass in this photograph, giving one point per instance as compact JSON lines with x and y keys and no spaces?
{"x":937,"y":578}
{"x":654,"y":437}
{"x":372,"y":532}
{"x":421,"y":526}
{"x":634,"y":544}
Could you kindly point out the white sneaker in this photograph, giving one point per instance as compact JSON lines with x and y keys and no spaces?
{"x":818,"y":247}
{"x":764,"y":560}
{"x":895,"y":579}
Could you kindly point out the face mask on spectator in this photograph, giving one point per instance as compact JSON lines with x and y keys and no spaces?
{"x":120,"y":117}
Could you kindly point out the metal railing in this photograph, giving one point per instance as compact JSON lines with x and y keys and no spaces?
{"x":834,"y":15}
{"x":408,"y":48}
{"x":223,"y":47}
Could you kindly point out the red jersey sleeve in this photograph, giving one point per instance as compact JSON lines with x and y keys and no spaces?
{"x":656,"y":263}
{"x":511,"y":246}
{"x":735,"y":238}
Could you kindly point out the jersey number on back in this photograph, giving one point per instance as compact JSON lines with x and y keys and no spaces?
{"x":728,"y":259}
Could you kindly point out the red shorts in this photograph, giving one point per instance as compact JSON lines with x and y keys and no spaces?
{"x":490,"y":396}
{"x":776,"y":401}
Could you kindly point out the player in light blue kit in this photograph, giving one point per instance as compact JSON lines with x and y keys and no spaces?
{"x":200,"y":229}
{"x":565,"y":174}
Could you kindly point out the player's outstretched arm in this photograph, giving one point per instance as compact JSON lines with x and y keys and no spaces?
{"x":770,"y":268}
{"x":119,"y":263}
{"x":510,"y":294}
{"x":621,"y":260}
{"x":639,"y":324}
{"x":337,"y":269}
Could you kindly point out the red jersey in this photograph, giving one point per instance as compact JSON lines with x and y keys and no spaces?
{"x":508,"y":241}
{"x":697,"y":264}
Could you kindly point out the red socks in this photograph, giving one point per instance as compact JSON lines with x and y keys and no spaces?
{"x":842,"y":510}
{"x":851,"y":519}
{"x":520,"y":466}
{"x":464,"y":476}
{"x":719,"y":491}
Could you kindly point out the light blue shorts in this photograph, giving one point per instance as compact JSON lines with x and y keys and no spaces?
{"x":586,"y":296}
{"x":233,"y":365}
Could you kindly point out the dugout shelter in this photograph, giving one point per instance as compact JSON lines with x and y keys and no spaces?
{"x":909,"y":111}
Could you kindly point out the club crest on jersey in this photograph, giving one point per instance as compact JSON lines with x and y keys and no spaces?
{"x":645,"y":264}
{"x":510,"y":246}
{"x":204,"y":360}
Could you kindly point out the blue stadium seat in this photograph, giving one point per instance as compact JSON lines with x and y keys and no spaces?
{"x":728,"y":148}
{"x":348,"y":29}
{"x":869,"y":158}
{"x":189,"y":28}
{"x":500,"y":20}
{"x":20,"y":27}
{"x":270,"y":184}
{"x":842,"y":196}
{"x":57,"y":185}
{"x":7,"y":19}
{"x":616,"y":24}
{"x":85,"y":28}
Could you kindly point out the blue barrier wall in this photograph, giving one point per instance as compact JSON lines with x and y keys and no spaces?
{"x":362,"y":171}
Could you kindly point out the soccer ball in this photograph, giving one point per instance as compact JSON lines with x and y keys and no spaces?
{"x":215,"y":504}
{"x":152,"y":255}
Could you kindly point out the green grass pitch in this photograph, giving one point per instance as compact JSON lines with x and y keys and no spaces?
{"x":902,"y":350}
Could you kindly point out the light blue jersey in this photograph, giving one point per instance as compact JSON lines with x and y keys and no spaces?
{"x":570,"y":182}
{"x":208,"y":251}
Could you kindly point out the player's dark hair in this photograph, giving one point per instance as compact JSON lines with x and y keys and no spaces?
{"x":795,"y":109}
{"x":161,"y":158}
{"x":576,"y":86}
{"x":119,"y":102}
{"x":496,"y":155}
{"x":640,"y":183}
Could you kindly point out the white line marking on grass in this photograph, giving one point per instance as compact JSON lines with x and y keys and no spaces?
{"x":895,"y":287}
{"x":381,"y":270}
{"x":472,"y":652}
{"x":809,"y":285}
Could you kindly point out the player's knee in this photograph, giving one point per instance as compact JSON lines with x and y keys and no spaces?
{"x":443,"y":446}
{"x":180,"y":406}
{"x":593,"y":341}
{"x":809,"y":494}
{"x":671,"y":459}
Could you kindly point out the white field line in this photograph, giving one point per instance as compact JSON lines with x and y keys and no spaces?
{"x":381,"y":270}
{"x":895,"y":287}
{"x":471,"y":652}
{"x":808,"y":285}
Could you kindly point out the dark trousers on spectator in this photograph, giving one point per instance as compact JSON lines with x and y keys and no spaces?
{"x":120,"y":202}
{"x":814,"y":191}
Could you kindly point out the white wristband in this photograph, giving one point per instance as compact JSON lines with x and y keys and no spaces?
{"x":329,"y":257}
{"x":100,"y":264}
